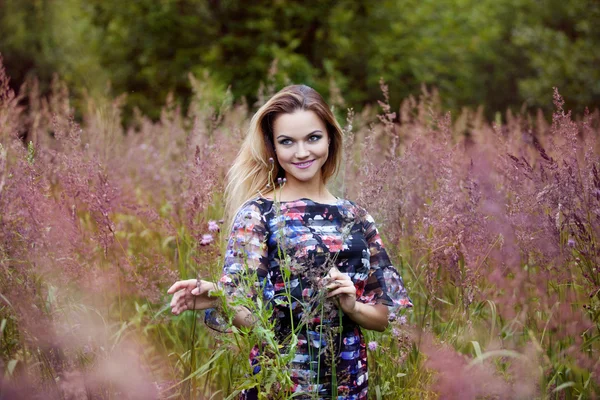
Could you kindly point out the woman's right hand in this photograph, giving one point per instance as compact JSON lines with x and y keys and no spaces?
{"x":192,"y":294}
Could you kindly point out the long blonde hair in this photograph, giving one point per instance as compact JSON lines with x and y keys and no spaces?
{"x":249,"y":174}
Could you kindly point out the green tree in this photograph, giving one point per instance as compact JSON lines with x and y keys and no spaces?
{"x":560,"y":40}
{"x":42,"y":37}
{"x":487,"y":52}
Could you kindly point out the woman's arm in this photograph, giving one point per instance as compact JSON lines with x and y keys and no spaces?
{"x":374,"y":317}
{"x":370,"y":317}
{"x":192,"y":294}
{"x":382,"y":293}
{"x":384,"y":288}
{"x":245,"y":255}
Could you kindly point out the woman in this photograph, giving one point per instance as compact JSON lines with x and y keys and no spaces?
{"x":319,"y":259}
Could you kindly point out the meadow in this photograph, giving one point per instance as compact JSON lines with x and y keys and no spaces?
{"x":494,"y":226}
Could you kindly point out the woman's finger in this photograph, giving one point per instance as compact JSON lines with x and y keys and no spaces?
{"x":342,"y":290}
{"x":338,"y":276}
{"x":203,"y":287}
{"x":187,"y":284}
{"x":173,"y":303}
{"x":334,"y":274}
{"x":175,"y":287}
{"x":173,"y":300}
{"x":334,"y":285}
{"x":340,"y":283}
{"x":178,"y":303}
{"x":177,"y":297}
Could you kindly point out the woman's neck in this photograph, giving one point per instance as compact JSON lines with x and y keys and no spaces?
{"x":294,"y":190}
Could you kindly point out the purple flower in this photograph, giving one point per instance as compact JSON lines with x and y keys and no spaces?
{"x":571,"y":242}
{"x":206,"y":239}
{"x":392,"y":317}
{"x":402,"y":320}
{"x":372,"y":346}
{"x":212,"y":226}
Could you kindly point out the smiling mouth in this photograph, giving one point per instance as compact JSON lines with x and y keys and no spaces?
{"x":304,"y":164}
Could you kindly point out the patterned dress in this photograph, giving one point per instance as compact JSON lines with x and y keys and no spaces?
{"x":291,"y":246}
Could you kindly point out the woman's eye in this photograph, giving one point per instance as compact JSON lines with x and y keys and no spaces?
{"x":285,"y":142}
{"x":314,"y":138}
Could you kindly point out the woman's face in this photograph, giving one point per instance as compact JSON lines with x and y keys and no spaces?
{"x":301,"y":145}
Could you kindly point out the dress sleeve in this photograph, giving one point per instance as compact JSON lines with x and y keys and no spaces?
{"x":245,"y":264}
{"x":384,"y":284}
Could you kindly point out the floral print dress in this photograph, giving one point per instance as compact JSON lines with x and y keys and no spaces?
{"x":291,"y":246}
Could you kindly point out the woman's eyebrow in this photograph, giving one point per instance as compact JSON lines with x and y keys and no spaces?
{"x":312,"y":133}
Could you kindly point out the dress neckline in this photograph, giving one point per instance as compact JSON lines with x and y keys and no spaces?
{"x":306,"y":199}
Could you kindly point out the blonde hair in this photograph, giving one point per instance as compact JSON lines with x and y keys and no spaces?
{"x":249,"y":174}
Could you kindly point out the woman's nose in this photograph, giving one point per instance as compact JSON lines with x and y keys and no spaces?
{"x":301,"y":151}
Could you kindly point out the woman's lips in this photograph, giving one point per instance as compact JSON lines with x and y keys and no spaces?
{"x":304,"y":165}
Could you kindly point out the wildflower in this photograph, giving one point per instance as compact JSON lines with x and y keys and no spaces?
{"x":402,"y":320}
{"x":213,"y":226}
{"x":571,"y":242}
{"x":206,"y":239}
{"x":372,"y":345}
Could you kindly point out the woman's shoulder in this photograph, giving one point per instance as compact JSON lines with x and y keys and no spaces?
{"x":257,"y":201}
{"x":254,"y":207}
{"x":358,"y":209}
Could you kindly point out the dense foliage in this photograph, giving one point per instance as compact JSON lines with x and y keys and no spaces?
{"x":495,"y":232}
{"x":498,"y":54}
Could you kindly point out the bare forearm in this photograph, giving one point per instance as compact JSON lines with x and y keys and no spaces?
{"x":370,"y":317}
{"x":243,"y":317}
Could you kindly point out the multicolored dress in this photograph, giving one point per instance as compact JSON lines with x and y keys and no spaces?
{"x":291,"y":247}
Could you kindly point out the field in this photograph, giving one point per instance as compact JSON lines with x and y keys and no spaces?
{"x":495,"y":227}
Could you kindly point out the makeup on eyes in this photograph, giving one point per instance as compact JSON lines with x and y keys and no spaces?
{"x":316,"y":132}
{"x":282,"y":140}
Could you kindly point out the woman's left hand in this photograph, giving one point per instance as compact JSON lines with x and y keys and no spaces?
{"x":342,"y":286}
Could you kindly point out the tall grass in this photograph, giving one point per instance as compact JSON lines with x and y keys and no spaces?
{"x":494,"y":227}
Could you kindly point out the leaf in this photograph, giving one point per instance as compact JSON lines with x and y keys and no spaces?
{"x":10,"y":368}
{"x":477,"y":348}
{"x":5,"y":300}
{"x":444,"y":301}
{"x":494,"y":353}
{"x":563,"y":386}
{"x":167,"y":241}
{"x":206,"y":367}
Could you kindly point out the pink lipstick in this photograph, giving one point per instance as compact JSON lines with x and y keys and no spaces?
{"x":304,"y":165}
